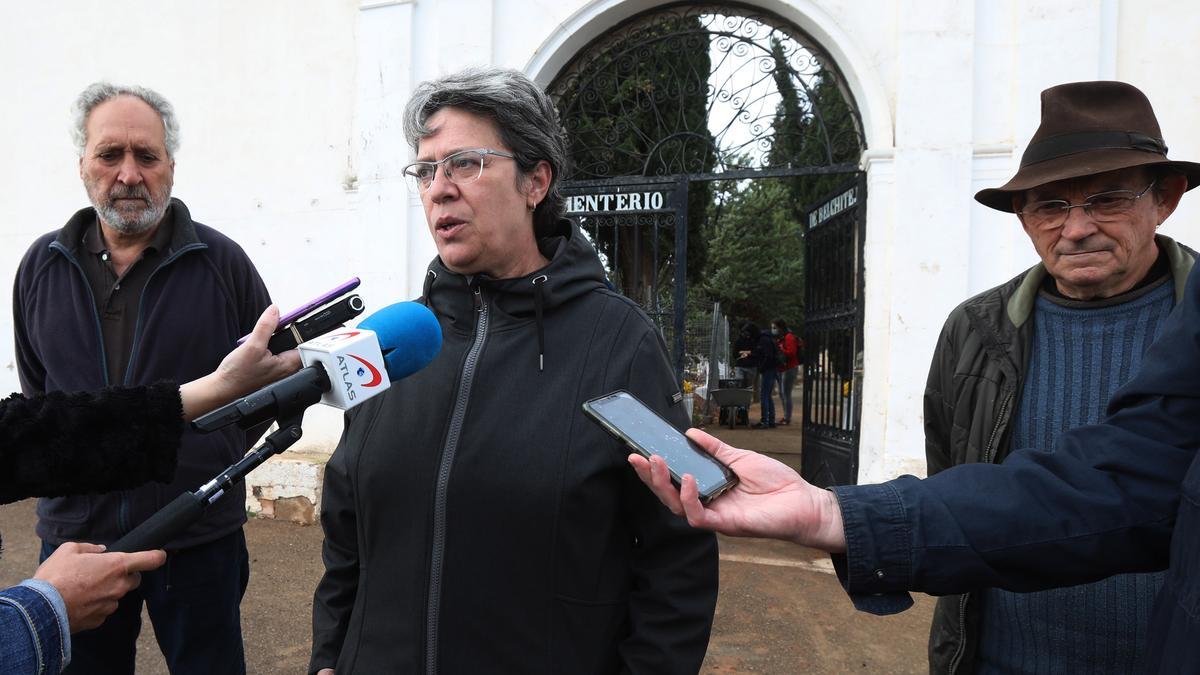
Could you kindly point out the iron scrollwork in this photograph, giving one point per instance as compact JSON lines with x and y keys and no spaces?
{"x":697,"y":89}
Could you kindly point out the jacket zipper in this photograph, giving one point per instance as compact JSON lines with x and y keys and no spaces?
{"x":438,"y":549}
{"x":1000,"y":420}
{"x":137,"y":327}
{"x":123,"y":507}
{"x":962,"y":633}
{"x":962,"y":600}
{"x":122,"y":501}
{"x":95,"y":313}
{"x":123,"y":511}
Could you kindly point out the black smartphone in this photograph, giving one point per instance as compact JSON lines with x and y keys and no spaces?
{"x":644,"y":430}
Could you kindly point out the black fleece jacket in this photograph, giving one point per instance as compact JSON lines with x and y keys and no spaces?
{"x":204,"y":295}
{"x":477,"y":522}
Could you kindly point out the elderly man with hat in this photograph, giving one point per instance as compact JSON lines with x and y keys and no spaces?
{"x":1072,"y":503}
{"x":1020,"y":363}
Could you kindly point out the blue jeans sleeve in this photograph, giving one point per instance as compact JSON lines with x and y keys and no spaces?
{"x":34,"y":637}
{"x":1103,"y":501}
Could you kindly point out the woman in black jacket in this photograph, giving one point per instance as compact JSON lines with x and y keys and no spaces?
{"x":475,"y":520}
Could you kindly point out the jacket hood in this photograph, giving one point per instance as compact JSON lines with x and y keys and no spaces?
{"x":574,"y":270}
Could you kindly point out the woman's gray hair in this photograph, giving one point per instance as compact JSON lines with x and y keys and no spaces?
{"x":100,"y":92}
{"x":524,"y":115}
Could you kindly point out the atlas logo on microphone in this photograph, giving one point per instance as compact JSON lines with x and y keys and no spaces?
{"x":352,"y":356}
{"x":363,"y":374}
{"x":342,"y":369}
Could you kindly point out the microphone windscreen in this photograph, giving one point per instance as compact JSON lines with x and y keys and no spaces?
{"x":409,"y":336}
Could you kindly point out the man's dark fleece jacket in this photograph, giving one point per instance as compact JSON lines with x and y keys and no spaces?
{"x":477,"y":522}
{"x":203,"y":296}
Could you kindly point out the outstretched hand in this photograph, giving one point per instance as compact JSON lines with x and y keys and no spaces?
{"x":770,"y":499}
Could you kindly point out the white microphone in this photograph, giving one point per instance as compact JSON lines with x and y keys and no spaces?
{"x":342,"y":369}
{"x":353,"y":362}
{"x":391,"y":344}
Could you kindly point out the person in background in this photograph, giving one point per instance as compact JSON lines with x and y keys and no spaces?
{"x":747,"y":347}
{"x":56,"y":444}
{"x":130,"y":291}
{"x":768,"y":368}
{"x":476,"y":521}
{"x":788,"y":345}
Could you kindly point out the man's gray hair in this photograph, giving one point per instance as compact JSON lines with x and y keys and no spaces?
{"x":524,"y":115}
{"x":100,"y":92}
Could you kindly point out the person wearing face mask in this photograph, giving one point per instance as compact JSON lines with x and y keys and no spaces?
{"x":767,"y":356}
{"x":789,"y":346}
{"x":475,"y":520}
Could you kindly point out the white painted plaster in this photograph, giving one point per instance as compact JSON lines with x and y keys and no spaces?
{"x":282,"y":477}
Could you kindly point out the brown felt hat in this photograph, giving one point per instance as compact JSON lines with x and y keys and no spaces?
{"x":1088,"y":128}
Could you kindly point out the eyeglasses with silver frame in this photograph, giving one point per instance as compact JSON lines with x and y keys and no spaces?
{"x":460,"y":168}
{"x":1104,"y":207}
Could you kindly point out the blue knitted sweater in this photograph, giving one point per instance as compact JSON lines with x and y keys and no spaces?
{"x":1081,"y":353}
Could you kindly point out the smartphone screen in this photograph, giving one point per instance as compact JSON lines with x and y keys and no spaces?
{"x":647,"y":433}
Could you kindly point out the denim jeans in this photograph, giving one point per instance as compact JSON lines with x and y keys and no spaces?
{"x":31,"y":636}
{"x":194,"y":603}
{"x":787,"y":382}
{"x":746,"y":375}
{"x":768,"y":403}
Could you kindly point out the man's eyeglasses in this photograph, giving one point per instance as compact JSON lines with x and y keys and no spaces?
{"x":1103,"y":207}
{"x":460,"y":168}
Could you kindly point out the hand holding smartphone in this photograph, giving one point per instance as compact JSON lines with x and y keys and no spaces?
{"x":324,"y":313}
{"x":647,"y":433}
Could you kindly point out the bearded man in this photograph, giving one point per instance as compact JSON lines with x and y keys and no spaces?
{"x":129,"y":292}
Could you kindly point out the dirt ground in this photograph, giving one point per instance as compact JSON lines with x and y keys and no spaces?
{"x":780,"y":608}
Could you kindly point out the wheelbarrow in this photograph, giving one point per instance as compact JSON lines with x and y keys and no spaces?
{"x":729,"y":400}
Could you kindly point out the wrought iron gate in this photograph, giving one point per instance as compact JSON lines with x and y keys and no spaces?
{"x":643,"y":216}
{"x":702,"y":101}
{"x":833,"y":335}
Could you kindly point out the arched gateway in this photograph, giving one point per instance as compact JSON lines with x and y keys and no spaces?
{"x":715,"y":153}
